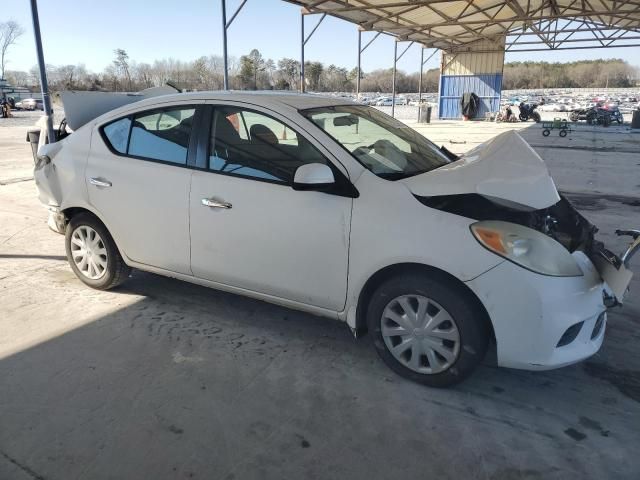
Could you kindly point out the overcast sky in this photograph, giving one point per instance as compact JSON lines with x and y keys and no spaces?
{"x":88,"y":31}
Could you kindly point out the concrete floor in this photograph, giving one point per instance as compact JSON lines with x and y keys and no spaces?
{"x":162,"y":379}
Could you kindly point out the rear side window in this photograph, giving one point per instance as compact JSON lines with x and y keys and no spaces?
{"x":155,"y":135}
{"x":117,"y":134}
{"x":162,"y":135}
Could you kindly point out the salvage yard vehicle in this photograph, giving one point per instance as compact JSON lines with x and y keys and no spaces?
{"x":334,"y":208}
{"x":29,"y":104}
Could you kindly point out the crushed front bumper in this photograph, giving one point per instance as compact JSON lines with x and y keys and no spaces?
{"x":531,"y":314}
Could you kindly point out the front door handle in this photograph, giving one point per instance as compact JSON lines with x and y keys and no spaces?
{"x":99,"y":183}
{"x":213,"y":203}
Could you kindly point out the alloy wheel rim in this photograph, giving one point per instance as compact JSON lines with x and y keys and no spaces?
{"x":420,"y":334}
{"x":88,"y":252}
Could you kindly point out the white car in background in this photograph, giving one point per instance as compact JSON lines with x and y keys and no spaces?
{"x":331,"y":207}
{"x":388,"y":101}
{"x":552,"y":107}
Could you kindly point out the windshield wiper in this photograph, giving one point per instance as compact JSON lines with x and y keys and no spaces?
{"x":396,"y":175}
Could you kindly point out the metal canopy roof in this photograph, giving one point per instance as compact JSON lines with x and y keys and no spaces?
{"x":474,"y":25}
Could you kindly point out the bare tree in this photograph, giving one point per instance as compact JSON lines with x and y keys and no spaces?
{"x":121,"y":63}
{"x":9,"y":33}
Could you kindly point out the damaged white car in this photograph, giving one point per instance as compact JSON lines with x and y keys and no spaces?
{"x":337,"y":209}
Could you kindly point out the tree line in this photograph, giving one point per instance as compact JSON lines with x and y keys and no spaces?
{"x":614,"y":73}
{"x":248,"y":72}
{"x":253,"y":71}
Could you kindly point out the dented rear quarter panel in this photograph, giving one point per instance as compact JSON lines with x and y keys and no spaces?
{"x":61,"y":181}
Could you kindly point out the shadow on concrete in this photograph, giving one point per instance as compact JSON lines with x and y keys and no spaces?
{"x":32,"y":256}
{"x":188,"y":382}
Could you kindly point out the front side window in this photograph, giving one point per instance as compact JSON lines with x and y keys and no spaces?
{"x":250,"y":144}
{"x":380,"y":143}
{"x":162,"y":135}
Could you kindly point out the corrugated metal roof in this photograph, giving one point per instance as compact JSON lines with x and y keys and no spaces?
{"x":459,"y":25}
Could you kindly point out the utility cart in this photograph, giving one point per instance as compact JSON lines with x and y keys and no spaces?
{"x":560,"y":124}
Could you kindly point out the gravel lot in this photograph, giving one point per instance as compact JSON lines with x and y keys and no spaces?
{"x":162,"y":379}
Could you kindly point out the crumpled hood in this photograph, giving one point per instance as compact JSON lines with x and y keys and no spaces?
{"x":505,"y":169}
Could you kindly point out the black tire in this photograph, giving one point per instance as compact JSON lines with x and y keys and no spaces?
{"x":574,"y":117}
{"x":463,"y":310}
{"x":523,"y":117}
{"x":536,"y":117}
{"x":546,"y":132}
{"x":620,"y":119}
{"x":563,"y":133}
{"x":116,"y":271}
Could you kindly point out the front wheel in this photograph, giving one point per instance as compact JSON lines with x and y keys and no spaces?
{"x":620,"y":119}
{"x":574,"y":117}
{"x":536,"y":117}
{"x":92,"y":253}
{"x":427,"y":329}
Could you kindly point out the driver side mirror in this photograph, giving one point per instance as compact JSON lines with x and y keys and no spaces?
{"x":313,"y":176}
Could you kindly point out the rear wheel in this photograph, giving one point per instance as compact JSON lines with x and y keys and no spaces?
{"x":574,"y":117}
{"x":93,"y":254}
{"x":427,"y":329}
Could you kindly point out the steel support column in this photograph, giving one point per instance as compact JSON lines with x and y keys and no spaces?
{"x":225,"y":28}
{"x":422,"y":64}
{"x":420,"y":78}
{"x":303,"y":42}
{"x":393,"y":82}
{"x":225,"y":75}
{"x":46,"y":100}
{"x":360,"y":52}
{"x":302,"y":51}
{"x":359,"y":68}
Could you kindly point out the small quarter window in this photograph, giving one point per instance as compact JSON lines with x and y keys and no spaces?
{"x":162,"y":135}
{"x":117,"y":134}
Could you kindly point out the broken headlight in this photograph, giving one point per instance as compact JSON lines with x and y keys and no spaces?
{"x":526,"y":247}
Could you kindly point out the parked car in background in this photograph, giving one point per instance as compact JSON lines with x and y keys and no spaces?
{"x":29,"y":104}
{"x":388,"y":101}
{"x":553,"y":107}
{"x":331,"y":207}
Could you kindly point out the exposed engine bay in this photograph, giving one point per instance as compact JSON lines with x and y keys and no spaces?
{"x":561,"y":221}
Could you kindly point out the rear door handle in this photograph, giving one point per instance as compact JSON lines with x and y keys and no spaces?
{"x":213,"y":203}
{"x":99,"y":183}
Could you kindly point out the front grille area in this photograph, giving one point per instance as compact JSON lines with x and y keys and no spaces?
{"x":570,"y":334}
{"x":597,"y":328}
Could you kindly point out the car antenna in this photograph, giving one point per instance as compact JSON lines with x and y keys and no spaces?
{"x":172,"y":85}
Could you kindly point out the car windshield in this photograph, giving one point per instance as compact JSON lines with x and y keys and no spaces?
{"x":381,"y":143}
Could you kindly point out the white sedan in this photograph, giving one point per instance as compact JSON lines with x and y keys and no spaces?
{"x":552,"y":107}
{"x":331,"y":207}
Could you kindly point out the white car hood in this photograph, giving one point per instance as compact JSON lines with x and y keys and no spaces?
{"x":505,"y":169}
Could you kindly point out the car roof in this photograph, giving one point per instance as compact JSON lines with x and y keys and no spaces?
{"x":298,"y":101}
{"x":85,"y":109}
